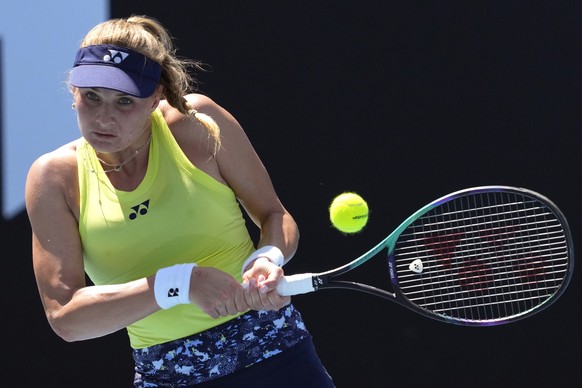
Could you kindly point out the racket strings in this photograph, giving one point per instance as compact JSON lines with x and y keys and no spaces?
{"x":485,"y":257}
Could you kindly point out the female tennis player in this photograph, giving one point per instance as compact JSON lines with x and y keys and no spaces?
{"x":147,"y":203}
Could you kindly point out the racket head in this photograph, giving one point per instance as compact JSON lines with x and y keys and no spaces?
{"x":482,"y":256}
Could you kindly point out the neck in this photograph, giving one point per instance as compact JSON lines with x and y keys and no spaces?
{"x":119,"y":166}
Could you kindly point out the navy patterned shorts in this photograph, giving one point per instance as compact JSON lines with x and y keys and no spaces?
{"x":220,"y":351}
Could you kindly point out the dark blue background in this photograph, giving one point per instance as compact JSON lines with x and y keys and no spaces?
{"x":403,"y":102}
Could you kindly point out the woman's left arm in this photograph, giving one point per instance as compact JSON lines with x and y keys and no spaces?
{"x":243,"y":171}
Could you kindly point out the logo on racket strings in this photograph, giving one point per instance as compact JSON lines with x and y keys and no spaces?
{"x":416,"y":266}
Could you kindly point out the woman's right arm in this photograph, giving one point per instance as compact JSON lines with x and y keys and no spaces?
{"x":74,"y":310}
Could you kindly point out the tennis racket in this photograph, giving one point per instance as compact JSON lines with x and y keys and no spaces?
{"x":481,"y":256}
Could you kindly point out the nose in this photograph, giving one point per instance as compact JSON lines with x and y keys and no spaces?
{"x":104,"y":115}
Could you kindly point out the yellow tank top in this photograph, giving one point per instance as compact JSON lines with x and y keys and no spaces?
{"x":178,"y":214}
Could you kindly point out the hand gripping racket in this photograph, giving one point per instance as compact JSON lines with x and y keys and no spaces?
{"x":478,"y":257}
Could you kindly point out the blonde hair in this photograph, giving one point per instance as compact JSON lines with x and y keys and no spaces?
{"x":148,"y":36}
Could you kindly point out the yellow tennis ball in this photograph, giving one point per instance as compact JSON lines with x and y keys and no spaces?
{"x":348,"y":212}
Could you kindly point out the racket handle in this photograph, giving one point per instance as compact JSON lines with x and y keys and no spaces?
{"x":295,"y":284}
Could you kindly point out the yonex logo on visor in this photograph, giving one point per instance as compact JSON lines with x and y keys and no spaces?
{"x":117,"y":68}
{"x":115,"y":56}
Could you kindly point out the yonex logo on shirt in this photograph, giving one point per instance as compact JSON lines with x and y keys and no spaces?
{"x":141,"y":209}
{"x":115,"y":56}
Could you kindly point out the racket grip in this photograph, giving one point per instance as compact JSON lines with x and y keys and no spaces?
{"x":295,"y":284}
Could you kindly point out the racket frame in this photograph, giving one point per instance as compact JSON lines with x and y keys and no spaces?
{"x":327,"y":279}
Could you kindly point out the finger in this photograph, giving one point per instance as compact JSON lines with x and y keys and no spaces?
{"x":222,"y":311}
{"x":248,"y":298}
{"x":231,"y":308}
{"x":251,"y":293}
{"x":264,"y":298}
{"x":269,"y":283}
{"x":256,"y":301}
{"x":264,"y":284}
{"x":278,"y":301}
{"x":213,"y":313}
{"x":240,"y":301}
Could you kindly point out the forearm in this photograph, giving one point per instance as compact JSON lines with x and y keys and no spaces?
{"x":96,"y":311}
{"x":280,"y":230}
{"x":262,"y":269}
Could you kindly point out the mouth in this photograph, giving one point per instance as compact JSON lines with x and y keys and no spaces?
{"x":103,"y":135}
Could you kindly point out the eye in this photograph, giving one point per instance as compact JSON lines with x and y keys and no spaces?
{"x":92,"y":96}
{"x":125,"y":101}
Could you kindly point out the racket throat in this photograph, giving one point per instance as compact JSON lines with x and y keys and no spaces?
{"x":319,"y":282}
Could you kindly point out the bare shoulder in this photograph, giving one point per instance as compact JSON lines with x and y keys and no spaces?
{"x":53,"y":176}
{"x":199,"y":102}
{"x":183,"y":126}
{"x":58,"y":162}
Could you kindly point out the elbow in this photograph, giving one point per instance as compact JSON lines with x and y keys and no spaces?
{"x":64,"y":334}
{"x":62,"y":330}
{"x":67,"y":338}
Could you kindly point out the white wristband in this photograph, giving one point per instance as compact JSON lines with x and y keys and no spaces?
{"x":271,"y":252}
{"x":172,"y":285}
